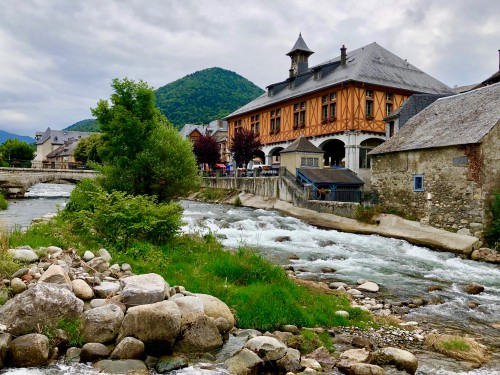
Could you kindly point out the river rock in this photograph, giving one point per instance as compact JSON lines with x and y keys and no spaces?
{"x":322,"y":355}
{"x":101,"y":324}
{"x":290,"y":328}
{"x":311,"y":364}
{"x":366,"y":369}
{"x":290,"y":362}
{"x":198,"y":334}
{"x":55,"y":274}
{"x":5,"y":340}
{"x":21,"y":272}
{"x":342,"y":313}
{"x":93,"y":351}
{"x":88,"y":255}
{"x":244,"y":362}
{"x":337,"y":284}
{"x":139,"y":321}
{"x":82,"y":290}
{"x":143,"y":289}
{"x":30,"y":350}
{"x":368,"y":287}
{"x":23,"y":255}
{"x":122,"y":366}
{"x":97,"y":264}
{"x":351,"y":357}
{"x":190,"y":304}
{"x":401,"y":359}
{"x":53,"y":250}
{"x":473,"y":288}
{"x":17,"y":285}
{"x":268,"y":348}
{"x":107,"y":289}
{"x":72,"y":355}
{"x":128,"y":348}
{"x":43,"y":304}
{"x":168,"y":363}
{"x":215,"y":308}
{"x":486,"y":255}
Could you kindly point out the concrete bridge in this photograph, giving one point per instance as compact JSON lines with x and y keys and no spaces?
{"x":14,"y":182}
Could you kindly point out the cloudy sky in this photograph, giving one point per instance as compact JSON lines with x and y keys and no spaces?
{"x":58,"y":57}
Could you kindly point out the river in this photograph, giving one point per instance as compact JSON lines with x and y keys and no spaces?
{"x":403,"y":271}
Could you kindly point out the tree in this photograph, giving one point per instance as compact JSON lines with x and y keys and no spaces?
{"x":206,"y":150}
{"x":244,"y":146}
{"x":14,"y":152}
{"x":87,"y":149}
{"x":141,"y":152}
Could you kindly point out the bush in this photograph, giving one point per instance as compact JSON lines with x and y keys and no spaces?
{"x":367,"y":214}
{"x":492,"y":231}
{"x":3,"y":202}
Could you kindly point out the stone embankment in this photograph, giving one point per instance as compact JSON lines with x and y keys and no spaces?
{"x":137,"y":323}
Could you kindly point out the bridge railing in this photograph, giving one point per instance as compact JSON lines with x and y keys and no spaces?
{"x":58,"y":165}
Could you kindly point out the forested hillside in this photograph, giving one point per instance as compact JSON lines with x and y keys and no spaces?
{"x":204,"y":96}
{"x":6,"y":135}
{"x":88,"y":125}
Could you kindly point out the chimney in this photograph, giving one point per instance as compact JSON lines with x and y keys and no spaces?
{"x":291,"y":73}
{"x":499,"y":60}
{"x":343,"y":57}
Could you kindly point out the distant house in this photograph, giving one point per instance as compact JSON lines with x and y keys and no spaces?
{"x":305,"y":161}
{"x":216,"y":128}
{"x":54,"y":148}
{"x":444,"y":164}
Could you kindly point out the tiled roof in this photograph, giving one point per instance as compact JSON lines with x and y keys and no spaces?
{"x":454,"y":120}
{"x":302,"y":144}
{"x":370,"y":64}
{"x":338,"y":176}
{"x":57,"y":137}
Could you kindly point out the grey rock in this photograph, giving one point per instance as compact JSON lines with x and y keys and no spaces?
{"x":189,"y":304}
{"x":143,"y":289}
{"x":23,"y":255}
{"x":310,"y":363}
{"x":342,"y":313}
{"x":104,"y":254}
{"x":169,"y":363}
{"x":21,"y":272}
{"x":82,"y":290}
{"x":126,"y":267}
{"x":244,"y":362}
{"x":485,"y":254}
{"x":198,"y":334}
{"x":368,"y":287}
{"x":17,"y":285}
{"x":366,"y":369}
{"x":88,"y":255}
{"x":401,"y":359}
{"x":30,"y":350}
{"x":72,"y":355}
{"x":107,"y":289}
{"x":122,"y":366}
{"x":215,"y":308}
{"x":128,"y":348}
{"x":97,"y":264}
{"x":290,"y":328}
{"x":473,"y":288}
{"x":93,"y":351}
{"x":268,"y":348}
{"x":323,"y":357}
{"x":101,"y":324}
{"x":53,"y":250}
{"x":290,"y":362}
{"x":5,"y":341}
{"x":55,"y":274}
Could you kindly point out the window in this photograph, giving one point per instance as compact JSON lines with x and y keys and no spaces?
{"x":255,"y":124}
{"x":388,"y":109}
{"x":369,"y":108}
{"x":237,"y":125}
{"x":369,"y":93}
{"x":329,"y":108}
{"x":309,"y":162}
{"x":418,"y":183}
{"x":275,"y":121}
{"x":299,"y":115}
{"x":388,"y":97}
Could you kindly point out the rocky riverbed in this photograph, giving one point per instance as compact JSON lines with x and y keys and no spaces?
{"x":139,"y":323}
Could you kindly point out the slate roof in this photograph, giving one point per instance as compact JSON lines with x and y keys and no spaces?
{"x":58,"y":137}
{"x":302,"y":144}
{"x":300,"y":45}
{"x":454,"y":120}
{"x":212,"y":128}
{"x":412,"y":106}
{"x":371,"y":64}
{"x":66,"y":149}
{"x":338,"y":176}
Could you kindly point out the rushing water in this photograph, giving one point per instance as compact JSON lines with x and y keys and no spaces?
{"x":403,"y":271}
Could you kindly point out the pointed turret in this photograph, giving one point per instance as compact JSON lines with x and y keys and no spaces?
{"x":299,"y":54}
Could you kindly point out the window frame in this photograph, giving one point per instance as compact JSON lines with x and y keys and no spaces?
{"x":275,"y":121}
{"x":299,"y":114}
{"x":420,"y":187}
{"x":255,"y":124}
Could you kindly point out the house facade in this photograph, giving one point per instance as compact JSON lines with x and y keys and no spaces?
{"x":339,"y":105}
{"x":216,"y":128}
{"x":444,"y":164}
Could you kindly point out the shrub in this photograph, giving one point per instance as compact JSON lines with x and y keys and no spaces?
{"x":492,"y":231}
{"x":366,"y":214}
{"x":237,"y":201}
{"x":3,"y":202}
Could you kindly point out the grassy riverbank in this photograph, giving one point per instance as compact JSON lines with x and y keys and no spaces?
{"x":259,"y":293}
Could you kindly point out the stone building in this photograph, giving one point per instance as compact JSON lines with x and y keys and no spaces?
{"x":444,"y":164}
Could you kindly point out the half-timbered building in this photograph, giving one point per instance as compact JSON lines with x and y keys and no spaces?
{"x":339,"y":105}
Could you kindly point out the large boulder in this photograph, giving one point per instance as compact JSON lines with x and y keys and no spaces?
{"x":43,"y":304}
{"x":93,"y":351}
{"x":215,"y":308}
{"x":23,"y":255}
{"x":198,"y":334}
{"x":123,"y":366}
{"x":55,"y":274}
{"x":17,"y":285}
{"x":128,"y":348}
{"x":290,"y":362}
{"x":351,"y":357}
{"x":97,"y":264}
{"x":401,"y":359}
{"x":245,"y":362}
{"x":473,"y":288}
{"x":82,"y":290}
{"x":486,"y":255}
{"x":143,"y":289}
{"x":368,"y":287}
{"x":107,"y":289}
{"x":189,"y":305}
{"x":169,"y":363}
{"x":366,"y":369}
{"x":268,"y":348}
{"x":5,"y":340}
{"x":102,"y":323}
{"x":156,"y":323}
{"x":30,"y":350}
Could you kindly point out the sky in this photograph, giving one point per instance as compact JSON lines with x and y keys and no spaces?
{"x":58,"y":57}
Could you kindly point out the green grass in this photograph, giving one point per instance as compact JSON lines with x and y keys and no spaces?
{"x":215,"y":194}
{"x":456,"y":344}
{"x":3,"y":203}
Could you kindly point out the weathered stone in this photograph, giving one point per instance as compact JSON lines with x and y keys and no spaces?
{"x":82,"y":290}
{"x":97,"y":264}
{"x":23,"y":255}
{"x":88,"y":255}
{"x":368,"y":287}
{"x":107,"y":289}
{"x":190,"y":304}
{"x":164,"y":316}
{"x":72,"y":355}
{"x":366,"y":369}
{"x":55,"y":274}
{"x":290,"y":361}
{"x":342,"y":313}
{"x":268,"y":348}
{"x":122,"y":366}
{"x":53,"y":250}
{"x":5,"y":341}
{"x":473,"y":288}
{"x":337,"y":284}
{"x":198,"y":334}
{"x":362,"y":342}
{"x":21,"y":272}
{"x":351,"y":357}
{"x":486,"y":255}
{"x":328,"y":270}
{"x":101,"y":324}
{"x":128,"y":348}
{"x":310,"y":363}
{"x":244,"y":362}
{"x":104,"y":254}
{"x":169,"y":363}
{"x":143,"y":289}
{"x":401,"y":359}
{"x":126,"y":267}
{"x":30,"y":350}
{"x":290,"y":328}
{"x":43,"y":304}
{"x":215,"y":308}
{"x":17,"y":285}
{"x":322,"y":355}
{"x":93,"y":351}
{"x":284,"y":337}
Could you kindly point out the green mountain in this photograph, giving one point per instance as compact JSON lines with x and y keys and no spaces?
{"x":6,"y":135}
{"x":198,"y":98}
{"x":207,"y":95}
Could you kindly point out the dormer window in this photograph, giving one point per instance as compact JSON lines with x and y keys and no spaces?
{"x":369,"y":93}
{"x":317,"y":74}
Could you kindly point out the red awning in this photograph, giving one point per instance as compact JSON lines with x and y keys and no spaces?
{"x":220,"y":165}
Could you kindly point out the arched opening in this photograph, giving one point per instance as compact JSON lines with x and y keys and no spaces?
{"x":334,"y":152}
{"x":364,"y":148}
{"x":259,"y":154}
{"x":275,"y":157}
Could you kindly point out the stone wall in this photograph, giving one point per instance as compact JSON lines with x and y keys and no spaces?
{"x":457,"y":183}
